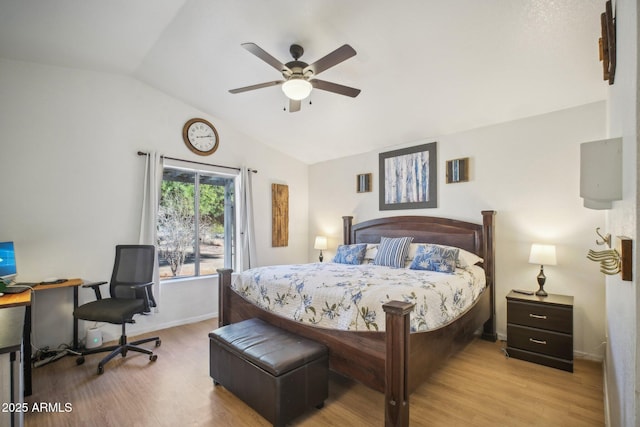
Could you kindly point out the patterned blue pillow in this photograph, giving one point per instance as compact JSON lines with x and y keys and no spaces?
{"x":435,"y":258}
{"x":392,"y":252}
{"x":350,"y":254}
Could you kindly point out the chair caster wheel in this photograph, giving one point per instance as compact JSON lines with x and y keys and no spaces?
{"x":100,"y":369}
{"x":80,"y":360}
{"x":158,"y":342}
{"x":153,"y":357}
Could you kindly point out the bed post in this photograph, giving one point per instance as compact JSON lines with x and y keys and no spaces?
{"x":489,"y":248}
{"x":396,"y":409}
{"x":347,"y":222}
{"x":224,"y":284}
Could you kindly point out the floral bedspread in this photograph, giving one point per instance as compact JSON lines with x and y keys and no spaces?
{"x":350,"y":297}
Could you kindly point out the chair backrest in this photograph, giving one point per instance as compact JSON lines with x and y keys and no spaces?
{"x":133,"y":265}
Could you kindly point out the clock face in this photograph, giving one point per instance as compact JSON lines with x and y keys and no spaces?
{"x":200,"y":136}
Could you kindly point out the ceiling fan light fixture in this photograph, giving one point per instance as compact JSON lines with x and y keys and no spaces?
{"x":297,"y":88}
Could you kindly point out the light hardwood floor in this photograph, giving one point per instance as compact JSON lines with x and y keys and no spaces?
{"x":477,"y":387}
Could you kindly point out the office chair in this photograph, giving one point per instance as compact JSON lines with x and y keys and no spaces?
{"x":130,"y":291}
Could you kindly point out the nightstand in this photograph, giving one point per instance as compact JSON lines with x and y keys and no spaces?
{"x":540,"y":329}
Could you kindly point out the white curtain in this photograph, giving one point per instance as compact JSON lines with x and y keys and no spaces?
{"x":247,"y":254}
{"x":149,"y":217}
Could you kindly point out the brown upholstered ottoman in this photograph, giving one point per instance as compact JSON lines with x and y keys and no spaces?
{"x":277,"y":373}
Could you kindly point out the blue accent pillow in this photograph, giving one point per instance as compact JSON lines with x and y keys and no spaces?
{"x":350,"y":254}
{"x":393,"y":251}
{"x":435,"y":258}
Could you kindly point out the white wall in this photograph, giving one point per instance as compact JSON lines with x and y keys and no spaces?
{"x":72,"y":185}
{"x":526,"y":170}
{"x":622,"y":363}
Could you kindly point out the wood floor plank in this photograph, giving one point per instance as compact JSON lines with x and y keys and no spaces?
{"x":479,"y":386}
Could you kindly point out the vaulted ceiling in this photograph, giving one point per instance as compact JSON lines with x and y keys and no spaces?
{"x":426,"y":68}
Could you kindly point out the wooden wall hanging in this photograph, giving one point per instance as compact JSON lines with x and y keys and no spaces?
{"x":279,"y":215}
{"x":607,"y":43}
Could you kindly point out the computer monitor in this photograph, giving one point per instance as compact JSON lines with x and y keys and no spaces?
{"x":8,"y":269}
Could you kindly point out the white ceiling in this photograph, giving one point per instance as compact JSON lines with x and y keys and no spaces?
{"x":426,"y":68}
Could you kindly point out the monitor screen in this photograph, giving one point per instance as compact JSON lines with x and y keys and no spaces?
{"x":7,"y":260}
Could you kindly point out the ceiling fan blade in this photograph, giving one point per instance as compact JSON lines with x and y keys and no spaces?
{"x":294,"y":105}
{"x":258,"y":86}
{"x":266,"y":57}
{"x":335,"y":88}
{"x":342,"y":53}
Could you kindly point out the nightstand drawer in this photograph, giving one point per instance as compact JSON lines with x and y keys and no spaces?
{"x":540,"y":341}
{"x":549,"y":317}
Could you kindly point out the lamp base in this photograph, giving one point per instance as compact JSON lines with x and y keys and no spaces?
{"x":321,"y":257}
{"x":541,"y":292}
{"x":541,"y":279}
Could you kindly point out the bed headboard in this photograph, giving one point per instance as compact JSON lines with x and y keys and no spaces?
{"x":423,"y":229}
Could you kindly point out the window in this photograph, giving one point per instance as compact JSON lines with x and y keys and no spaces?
{"x":196,"y":221}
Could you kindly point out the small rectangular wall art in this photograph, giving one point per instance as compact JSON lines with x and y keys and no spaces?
{"x":363,"y":183}
{"x":457,"y":170}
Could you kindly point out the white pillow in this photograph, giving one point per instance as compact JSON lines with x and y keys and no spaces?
{"x":466,"y":258}
{"x":372,"y":250}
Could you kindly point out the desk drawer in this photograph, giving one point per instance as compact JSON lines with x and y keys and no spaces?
{"x":549,"y":317}
{"x":540,"y":341}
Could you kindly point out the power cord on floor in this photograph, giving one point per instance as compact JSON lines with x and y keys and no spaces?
{"x":46,"y":355}
{"x":504,"y":349}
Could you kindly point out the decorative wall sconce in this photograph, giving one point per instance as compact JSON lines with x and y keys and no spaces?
{"x":614,"y":261}
{"x":458,"y":170}
{"x":363,"y":183}
{"x":601,"y":173}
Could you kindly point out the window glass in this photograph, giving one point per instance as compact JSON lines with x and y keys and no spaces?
{"x":195,"y":223}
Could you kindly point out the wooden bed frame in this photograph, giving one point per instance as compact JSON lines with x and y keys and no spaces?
{"x":395,"y":361}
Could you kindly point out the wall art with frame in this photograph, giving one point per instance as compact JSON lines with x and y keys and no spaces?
{"x":408,"y":178}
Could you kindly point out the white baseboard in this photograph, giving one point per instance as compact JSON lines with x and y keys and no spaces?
{"x":112,"y":332}
{"x":179,"y":322}
{"x":607,"y":415}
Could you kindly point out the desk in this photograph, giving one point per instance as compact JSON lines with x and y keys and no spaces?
{"x":11,"y":360}
{"x":24,"y":299}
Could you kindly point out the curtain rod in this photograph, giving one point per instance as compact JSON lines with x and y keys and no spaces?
{"x":142,"y":153}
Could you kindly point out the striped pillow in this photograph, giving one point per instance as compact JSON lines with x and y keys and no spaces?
{"x":392,"y":252}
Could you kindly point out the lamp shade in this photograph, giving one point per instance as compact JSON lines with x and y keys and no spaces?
{"x":321,"y":243}
{"x":542,"y":254}
{"x":296,"y":88}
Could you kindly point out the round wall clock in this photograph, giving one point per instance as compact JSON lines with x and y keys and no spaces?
{"x":200,"y":136}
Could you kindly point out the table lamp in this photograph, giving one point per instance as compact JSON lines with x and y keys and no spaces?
{"x":542,"y":255}
{"x":321,"y":243}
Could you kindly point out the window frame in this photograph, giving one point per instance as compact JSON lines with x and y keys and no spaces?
{"x":230,"y":212}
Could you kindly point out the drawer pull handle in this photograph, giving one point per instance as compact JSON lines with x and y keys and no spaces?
{"x":537,"y":341}
{"x":537,"y":316}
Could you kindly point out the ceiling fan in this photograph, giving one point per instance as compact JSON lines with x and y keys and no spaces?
{"x":299,"y":77}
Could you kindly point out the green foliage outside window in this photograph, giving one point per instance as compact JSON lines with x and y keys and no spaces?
{"x":177,"y":244}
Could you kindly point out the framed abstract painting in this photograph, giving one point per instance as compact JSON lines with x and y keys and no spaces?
{"x":408,"y":178}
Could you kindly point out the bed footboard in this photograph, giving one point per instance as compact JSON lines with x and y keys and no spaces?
{"x":396,"y":347}
{"x":396,"y":391}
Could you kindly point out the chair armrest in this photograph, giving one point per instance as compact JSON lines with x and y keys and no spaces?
{"x":148,"y":300}
{"x":140,"y":285}
{"x":96,"y":288}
